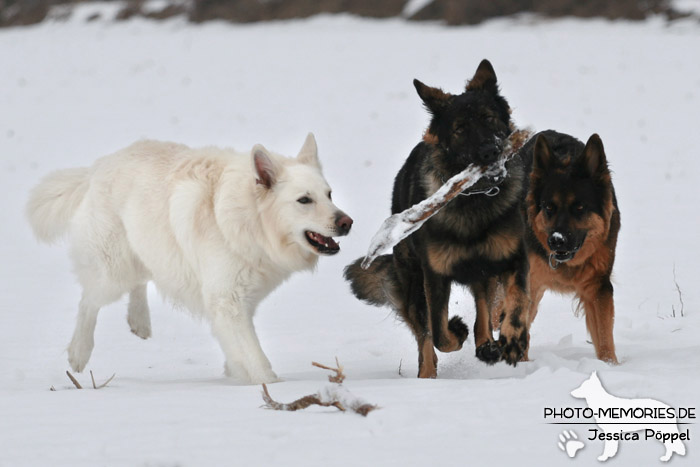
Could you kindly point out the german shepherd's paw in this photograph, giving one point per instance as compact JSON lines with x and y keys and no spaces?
{"x":513,"y":347}
{"x":489,"y":352}
{"x":459,"y":329}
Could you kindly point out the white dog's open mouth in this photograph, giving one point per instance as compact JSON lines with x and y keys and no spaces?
{"x":323,"y":245}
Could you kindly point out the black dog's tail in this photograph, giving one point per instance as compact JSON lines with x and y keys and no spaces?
{"x":379,"y":285}
{"x":376,"y":285}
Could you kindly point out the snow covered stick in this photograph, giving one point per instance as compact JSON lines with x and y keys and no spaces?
{"x":399,"y":226}
{"x":333,"y":395}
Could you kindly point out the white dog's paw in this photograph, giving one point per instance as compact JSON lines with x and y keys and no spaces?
{"x":256,"y":376}
{"x":235,"y":371}
{"x":569,"y":443}
{"x":266,"y":377}
{"x":139,"y":327}
{"x":79,"y":354}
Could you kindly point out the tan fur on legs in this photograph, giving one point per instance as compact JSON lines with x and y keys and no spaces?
{"x":427,"y":359}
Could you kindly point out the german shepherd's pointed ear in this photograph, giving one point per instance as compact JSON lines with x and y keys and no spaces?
{"x":484,"y":78}
{"x":433,"y":98}
{"x":542,"y":157}
{"x":593,"y":159}
{"x":309,"y":152}
{"x":266,"y":169}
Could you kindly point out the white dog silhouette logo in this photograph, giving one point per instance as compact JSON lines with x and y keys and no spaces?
{"x":616,"y":416}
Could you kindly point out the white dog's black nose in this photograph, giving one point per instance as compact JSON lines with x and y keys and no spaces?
{"x":343,"y":222}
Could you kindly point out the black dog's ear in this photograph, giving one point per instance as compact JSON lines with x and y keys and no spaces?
{"x":433,"y":98}
{"x":484,"y":78}
{"x":541,"y":155}
{"x":593,"y":158}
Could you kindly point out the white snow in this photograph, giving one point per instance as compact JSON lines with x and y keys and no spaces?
{"x":71,"y":92}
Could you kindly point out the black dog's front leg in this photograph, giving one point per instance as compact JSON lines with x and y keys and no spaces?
{"x":514,"y":333}
{"x":448,"y":336}
{"x":487,"y":350}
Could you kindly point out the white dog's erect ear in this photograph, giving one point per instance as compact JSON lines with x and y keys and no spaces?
{"x":265,"y":168}
{"x":309,"y":152}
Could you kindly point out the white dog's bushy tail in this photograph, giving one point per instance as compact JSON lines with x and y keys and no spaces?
{"x":53,"y":202}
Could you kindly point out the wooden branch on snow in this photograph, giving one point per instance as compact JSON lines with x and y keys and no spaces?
{"x":333,"y":395}
{"x":298,"y":404}
{"x":94,"y":385}
{"x":339,"y":376}
{"x":73,"y":380}
{"x":400,"y":225}
{"x":103,"y":384}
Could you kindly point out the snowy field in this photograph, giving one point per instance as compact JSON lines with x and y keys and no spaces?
{"x":71,"y":92}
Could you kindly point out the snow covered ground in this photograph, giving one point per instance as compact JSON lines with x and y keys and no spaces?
{"x":71,"y":92}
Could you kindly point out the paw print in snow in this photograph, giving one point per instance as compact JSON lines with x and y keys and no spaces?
{"x":569,"y":443}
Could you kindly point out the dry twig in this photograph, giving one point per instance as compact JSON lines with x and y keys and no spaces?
{"x":680,"y":295}
{"x":94,"y":385}
{"x":298,"y":404}
{"x":103,"y":384}
{"x":75,"y":381}
{"x":339,"y":376}
{"x":334,"y":395}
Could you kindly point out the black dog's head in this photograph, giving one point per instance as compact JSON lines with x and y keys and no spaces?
{"x":570,"y":195}
{"x":470,"y":127}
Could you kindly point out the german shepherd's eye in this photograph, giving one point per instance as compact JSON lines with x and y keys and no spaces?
{"x":305,"y":200}
{"x":550,"y":209}
{"x":578,"y":208}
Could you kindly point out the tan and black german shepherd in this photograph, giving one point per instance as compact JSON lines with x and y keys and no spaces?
{"x":573,"y":221}
{"x":476,"y":240}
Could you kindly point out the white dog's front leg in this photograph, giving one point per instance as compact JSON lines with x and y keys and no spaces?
{"x":232,"y":325}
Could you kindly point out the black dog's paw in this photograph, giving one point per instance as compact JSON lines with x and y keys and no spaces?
{"x":489,"y":352}
{"x":513,"y":347}
{"x":458,"y":328}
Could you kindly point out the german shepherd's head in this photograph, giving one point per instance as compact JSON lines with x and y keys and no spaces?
{"x":570,"y":200}
{"x":469,"y":128}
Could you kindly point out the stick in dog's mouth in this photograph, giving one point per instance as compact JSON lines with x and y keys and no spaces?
{"x":400,"y":225}
{"x":323,"y":245}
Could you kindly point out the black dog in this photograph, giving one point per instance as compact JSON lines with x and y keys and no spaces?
{"x":476,"y":240}
{"x":572,"y":225}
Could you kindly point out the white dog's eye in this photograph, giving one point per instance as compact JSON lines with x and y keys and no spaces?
{"x":304,"y":200}
{"x":329,"y":196}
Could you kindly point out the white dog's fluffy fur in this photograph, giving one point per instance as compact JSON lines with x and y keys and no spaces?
{"x":214,"y":229}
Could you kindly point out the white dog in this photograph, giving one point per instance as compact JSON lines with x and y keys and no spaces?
{"x":214,"y":229}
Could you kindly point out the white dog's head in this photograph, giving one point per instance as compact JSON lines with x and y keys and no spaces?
{"x":299,"y":199}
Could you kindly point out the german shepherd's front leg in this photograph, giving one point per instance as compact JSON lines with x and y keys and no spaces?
{"x":600,"y":315}
{"x":448,"y":336}
{"x":513,"y":339}
{"x":536,"y":293}
{"x":487,"y":350}
{"x":413,"y":309}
